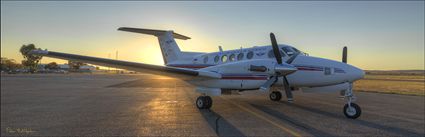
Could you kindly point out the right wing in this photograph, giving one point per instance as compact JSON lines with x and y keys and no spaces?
{"x":139,"y":67}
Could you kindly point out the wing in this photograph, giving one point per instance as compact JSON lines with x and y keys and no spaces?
{"x":139,"y":67}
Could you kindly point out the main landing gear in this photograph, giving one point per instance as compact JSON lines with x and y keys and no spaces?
{"x":351,"y":110}
{"x":204,"y":102}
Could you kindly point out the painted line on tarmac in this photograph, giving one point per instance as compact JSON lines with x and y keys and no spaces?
{"x":287,"y":130}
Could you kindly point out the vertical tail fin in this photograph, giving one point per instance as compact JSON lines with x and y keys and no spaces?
{"x":169,"y":48}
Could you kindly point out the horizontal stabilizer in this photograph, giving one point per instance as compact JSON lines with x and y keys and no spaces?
{"x":153,"y":32}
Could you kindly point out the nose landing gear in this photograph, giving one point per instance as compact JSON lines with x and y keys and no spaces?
{"x":351,"y":110}
{"x":275,"y":96}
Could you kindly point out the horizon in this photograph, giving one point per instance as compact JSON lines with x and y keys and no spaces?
{"x":380,"y":35}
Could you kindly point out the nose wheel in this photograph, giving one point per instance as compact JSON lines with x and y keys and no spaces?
{"x":351,"y":110}
{"x":204,"y":102}
{"x":275,"y":96}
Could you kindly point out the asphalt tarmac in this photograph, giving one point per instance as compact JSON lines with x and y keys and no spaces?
{"x":148,"y":105}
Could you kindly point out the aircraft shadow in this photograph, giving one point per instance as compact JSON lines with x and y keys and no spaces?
{"x":221,"y":126}
{"x":313,"y":131}
{"x":391,"y":129}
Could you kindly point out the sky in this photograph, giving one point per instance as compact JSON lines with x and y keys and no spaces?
{"x":380,"y":35}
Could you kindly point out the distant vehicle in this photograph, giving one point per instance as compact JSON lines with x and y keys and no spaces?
{"x":61,"y":71}
{"x":272,"y":68}
{"x":12,"y":72}
{"x":23,"y":70}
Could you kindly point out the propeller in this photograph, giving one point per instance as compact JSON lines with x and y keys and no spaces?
{"x":281,"y":69}
{"x":344,"y":55}
{"x":344,"y":60}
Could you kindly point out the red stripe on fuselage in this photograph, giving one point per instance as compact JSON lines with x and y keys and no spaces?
{"x":244,"y":77}
{"x":199,"y":67}
{"x":309,"y":69}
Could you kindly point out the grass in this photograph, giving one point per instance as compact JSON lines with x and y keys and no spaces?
{"x":392,"y":84}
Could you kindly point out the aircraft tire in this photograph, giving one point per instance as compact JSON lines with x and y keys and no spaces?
{"x":201,"y":102}
{"x":208,"y":101}
{"x":352,"y":112}
{"x":275,"y":96}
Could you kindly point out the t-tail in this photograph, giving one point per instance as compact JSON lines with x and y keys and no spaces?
{"x":169,"y":48}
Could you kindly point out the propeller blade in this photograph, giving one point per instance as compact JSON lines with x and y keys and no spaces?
{"x":290,"y":60}
{"x":288,"y":90}
{"x":344,"y":55}
{"x":276,"y":50}
{"x":266,"y":86}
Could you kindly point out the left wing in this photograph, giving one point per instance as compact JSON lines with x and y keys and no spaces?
{"x":139,"y":67}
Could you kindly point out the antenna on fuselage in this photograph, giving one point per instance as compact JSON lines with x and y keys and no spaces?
{"x":220,"y":49}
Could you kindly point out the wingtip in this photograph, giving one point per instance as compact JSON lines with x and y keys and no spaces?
{"x":39,"y":52}
{"x":121,"y":28}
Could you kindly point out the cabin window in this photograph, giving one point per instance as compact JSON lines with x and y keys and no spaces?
{"x":224,"y":58}
{"x":216,"y":58}
{"x":232,"y":57}
{"x":250,"y":55}
{"x":205,"y":59}
{"x":240,"y":56}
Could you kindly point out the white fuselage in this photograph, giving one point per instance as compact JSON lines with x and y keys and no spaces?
{"x":234,"y":67}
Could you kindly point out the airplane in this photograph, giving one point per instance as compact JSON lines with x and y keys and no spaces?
{"x":271,"y":69}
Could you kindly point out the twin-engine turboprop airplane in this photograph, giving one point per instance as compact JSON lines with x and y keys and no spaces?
{"x":271,"y":69}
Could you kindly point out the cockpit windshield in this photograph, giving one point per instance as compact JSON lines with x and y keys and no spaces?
{"x":296,"y":50}
{"x":291,"y":51}
{"x":288,"y":50}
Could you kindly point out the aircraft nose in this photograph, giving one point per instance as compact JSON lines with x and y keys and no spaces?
{"x":356,"y":73}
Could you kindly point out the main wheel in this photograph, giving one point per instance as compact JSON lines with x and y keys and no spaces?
{"x":353,"y":111}
{"x":275,"y":96}
{"x":208,"y":101}
{"x":201,"y":102}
